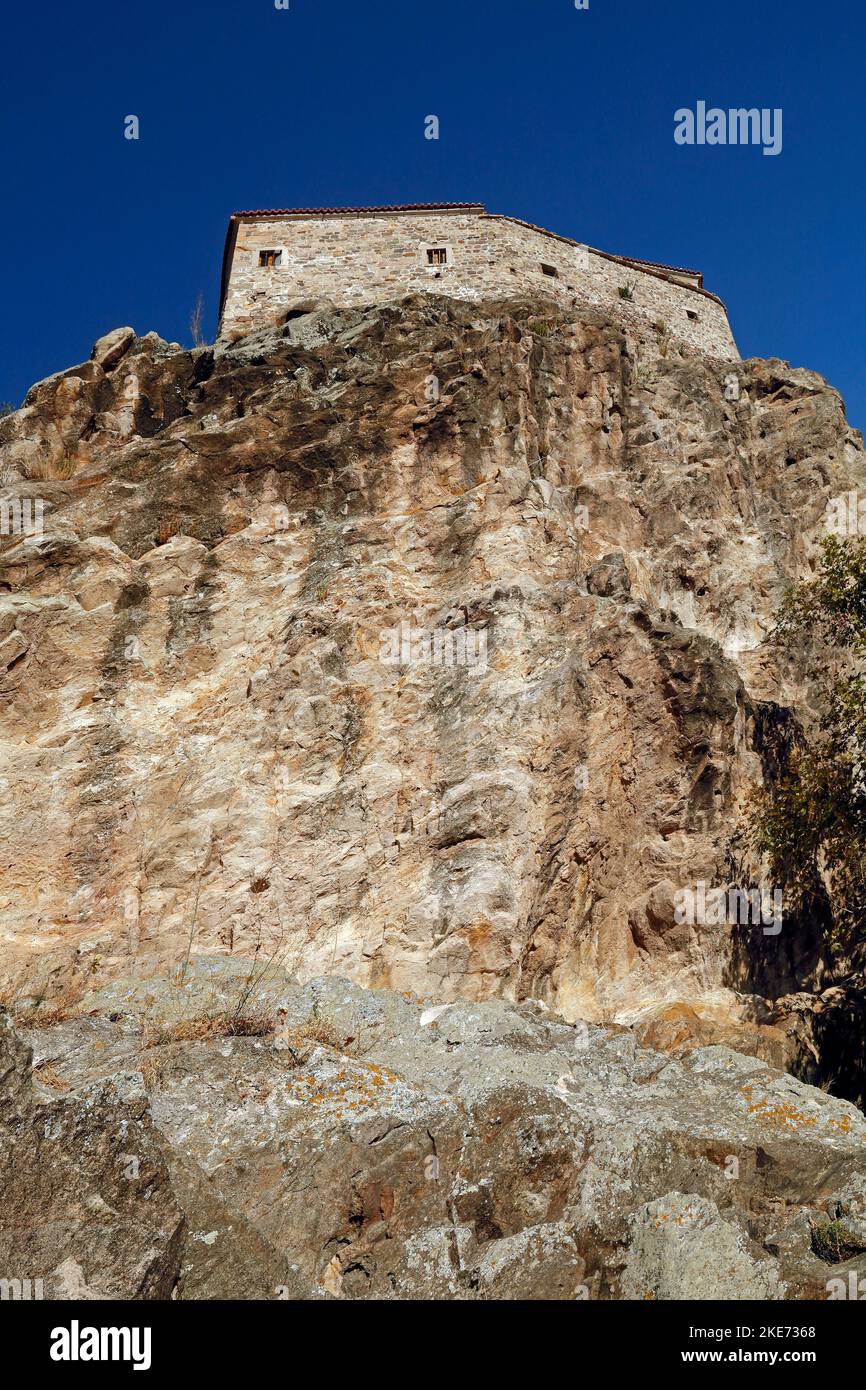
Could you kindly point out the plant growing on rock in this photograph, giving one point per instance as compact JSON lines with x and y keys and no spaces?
{"x":811,"y":822}
{"x":834,"y":1243}
{"x":225,"y":1023}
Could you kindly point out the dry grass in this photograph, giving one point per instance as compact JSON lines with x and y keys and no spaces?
{"x":257,"y":1023}
{"x":30,"y":1013}
{"x":300,"y":1040}
{"x":45,"y":470}
{"x":48,"y":1076}
{"x":297,"y":1042}
{"x":48,"y":1016}
{"x":169,"y":526}
{"x":152,"y":1067}
{"x":68,"y":465}
{"x":201,"y":1028}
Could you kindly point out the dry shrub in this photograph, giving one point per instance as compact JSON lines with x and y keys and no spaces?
{"x":196,"y":320}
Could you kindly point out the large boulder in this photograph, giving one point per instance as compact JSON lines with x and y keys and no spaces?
{"x":328,"y":1141}
{"x":87,"y":1204}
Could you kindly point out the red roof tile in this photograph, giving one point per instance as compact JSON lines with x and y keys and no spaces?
{"x":337,"y":212}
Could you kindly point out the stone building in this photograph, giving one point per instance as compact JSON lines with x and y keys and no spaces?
{"x":277,"y":261}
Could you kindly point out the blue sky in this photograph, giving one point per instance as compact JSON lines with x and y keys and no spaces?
{"x":559,"y":116}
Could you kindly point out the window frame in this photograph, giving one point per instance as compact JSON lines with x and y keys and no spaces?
{"x":431,"y":248}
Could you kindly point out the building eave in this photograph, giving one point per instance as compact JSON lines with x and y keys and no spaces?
{"x":373,"y":211}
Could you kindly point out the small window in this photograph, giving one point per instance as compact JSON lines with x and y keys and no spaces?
{"x":550,"y":270}
{"x":270,"y":258}
{"x":437,"y":255}
{"x":691,"y":313}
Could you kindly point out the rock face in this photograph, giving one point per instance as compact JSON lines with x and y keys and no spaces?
{"x":422,"y":656}
{"x":373,"y":1148}
{"x":87,"y":1206}
{"x":425,"y":645}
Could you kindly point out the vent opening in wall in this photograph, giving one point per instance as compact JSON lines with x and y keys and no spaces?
{"x":269,"y":259}
{"x":691,"y":314}
{"x":550,"y":270}
{"x":437,"y":255}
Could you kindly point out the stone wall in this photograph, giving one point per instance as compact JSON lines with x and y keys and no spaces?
{"x":365,"y":259}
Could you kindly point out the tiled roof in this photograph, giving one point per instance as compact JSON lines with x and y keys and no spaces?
{"x":652,"y":266}
{"x":659,"y":265}
{"x":337,"y":212}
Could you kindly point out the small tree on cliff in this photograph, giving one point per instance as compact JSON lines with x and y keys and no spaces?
{"x":812,"y":822}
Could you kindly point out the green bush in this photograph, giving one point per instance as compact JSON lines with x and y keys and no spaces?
{"x":811,"y":823}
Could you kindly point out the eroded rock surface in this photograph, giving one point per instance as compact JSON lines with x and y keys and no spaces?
{"x":202,"y":748}
{"x":477,"y":1151}
{"x":387,"y":678}
{"x":87,"y":1207}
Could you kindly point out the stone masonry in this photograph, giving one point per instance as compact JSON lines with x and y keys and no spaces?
{"x":277,"y":262}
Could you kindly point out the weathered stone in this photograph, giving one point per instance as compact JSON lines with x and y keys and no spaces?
{"x":87,"y":1207}
{"x":682,"y":1249}
{"x":428,"y":645}
{"x":108,"y":351}
{"x":609,"y":578}
{"x":370,"y":1147}
{"x":203,"y":745}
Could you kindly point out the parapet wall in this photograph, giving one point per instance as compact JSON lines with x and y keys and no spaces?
{"x":361,"y":259}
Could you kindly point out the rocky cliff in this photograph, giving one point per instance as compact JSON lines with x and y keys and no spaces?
{"x":429,"y":647}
